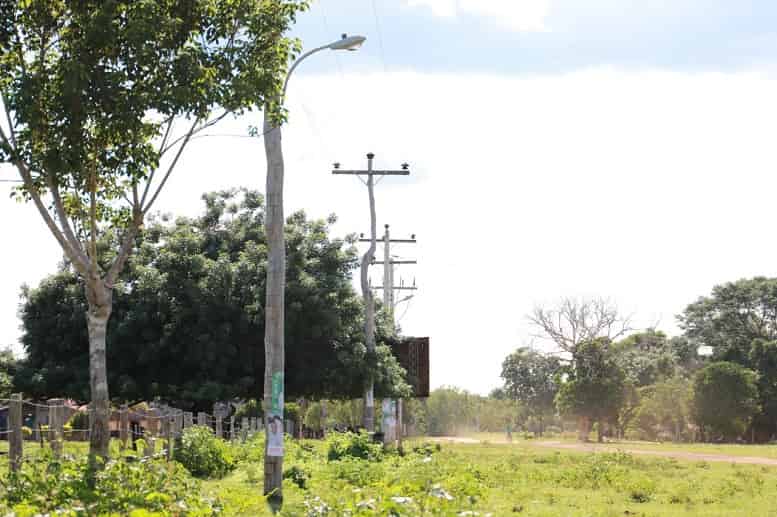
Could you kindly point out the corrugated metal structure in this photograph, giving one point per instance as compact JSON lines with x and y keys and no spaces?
{"x":413,"y":355}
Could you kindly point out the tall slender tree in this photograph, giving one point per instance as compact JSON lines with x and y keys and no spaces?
{"x":91,"y":94}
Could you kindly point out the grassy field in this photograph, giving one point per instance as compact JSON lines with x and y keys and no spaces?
{"x":762,"y":451}
{"x":495,"y":479}
{"x":506,"y":480}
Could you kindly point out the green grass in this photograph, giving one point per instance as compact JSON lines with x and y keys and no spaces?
{"x":501,"y":480}
{"x":759,"y":450}
{"x":510,"y":480}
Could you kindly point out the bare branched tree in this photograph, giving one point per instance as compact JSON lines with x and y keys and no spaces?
{"x":575,"y":320}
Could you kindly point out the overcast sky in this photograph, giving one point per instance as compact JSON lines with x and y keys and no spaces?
{"x":623,"y":149}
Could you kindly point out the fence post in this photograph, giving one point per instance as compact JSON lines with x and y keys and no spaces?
{"x":56,"y":412}
{"x":219,"y":430}
{"x":244,"y":428}
{"x":16,"y":439}
{"x":152,"y":426}
{"x":124,"y":426}
{"x":323,"y":418}
{"x":168,"y":430}
{"x":202,"y":418}
{"x":37,"y":431}
{"x":188,"y":419}
{"x":179,"y":420}
{"x":231,"y":428}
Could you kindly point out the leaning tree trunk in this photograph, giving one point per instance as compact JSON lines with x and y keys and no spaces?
{"x":100,"y":299}
{"x":274,"y":307}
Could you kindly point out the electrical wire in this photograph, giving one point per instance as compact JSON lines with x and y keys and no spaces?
{"x":380,"y":36}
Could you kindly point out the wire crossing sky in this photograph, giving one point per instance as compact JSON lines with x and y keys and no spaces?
{"x":559,"y":148}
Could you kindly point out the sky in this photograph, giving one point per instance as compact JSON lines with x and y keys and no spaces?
{"x":619,"y":149}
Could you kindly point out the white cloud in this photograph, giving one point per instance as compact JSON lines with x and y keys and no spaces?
{"x":518,"y":15}
{"x":649,"y":187}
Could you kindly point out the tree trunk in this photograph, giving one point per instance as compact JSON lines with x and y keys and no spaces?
{"x":600,"y":431}
{"x":540,"y":419}
{"x":369,"y":302}
{"x":583,"y":428}
{"x":274,"y":307}
{"x":100,"y":299}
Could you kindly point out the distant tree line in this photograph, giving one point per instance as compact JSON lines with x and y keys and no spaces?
{"x":648,"y":385}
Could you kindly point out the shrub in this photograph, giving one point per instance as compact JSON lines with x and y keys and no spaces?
{"x":148,"y":487}
{"x":79,"y":420}
{"x":352,"y":445}
{"x":297,"y":475}
{"x":203,"y":454}
{"x":426,"y":448}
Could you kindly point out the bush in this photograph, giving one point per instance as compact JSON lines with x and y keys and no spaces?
{"x":297,"y":475}
{"x":148,"y":487}
{"x":251,"y":409}
{"x":352,"y":445}
{"x":79,"y":420}
{"x":203,"y":454}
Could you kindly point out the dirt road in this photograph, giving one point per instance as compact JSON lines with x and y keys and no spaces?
{"x":594,"y":448}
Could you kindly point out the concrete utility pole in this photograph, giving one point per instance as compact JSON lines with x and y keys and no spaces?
{"x":368,"y":420}
{"x":389,"y":305}
{"x":274,"y":345}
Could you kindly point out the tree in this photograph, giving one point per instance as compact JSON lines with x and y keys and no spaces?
{"x":664,"y":409}
{"x":763,"y":358}
{"x":573,"y":321}
{"x":725,"y":398}
{"x":646,"y":357}
{"x":191,"y":296}
{"x":732,"y":317}
{"x":531,"y":379}
{"x":737,"y":321}
{"x":91,"y":92}
{"x":8,"y":369}
{"x":594,"y":387}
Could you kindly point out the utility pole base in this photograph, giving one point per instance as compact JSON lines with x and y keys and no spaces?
{"x":273,"y":480}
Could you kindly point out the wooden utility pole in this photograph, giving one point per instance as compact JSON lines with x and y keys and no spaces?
{"x":369,"y":302}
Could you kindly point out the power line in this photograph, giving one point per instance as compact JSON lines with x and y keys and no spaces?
{"x":328,"y":32}
{"x":380,"y":36}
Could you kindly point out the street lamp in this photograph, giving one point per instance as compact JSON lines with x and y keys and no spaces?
{"x":346,"y":42}
{"x":274,"y":348}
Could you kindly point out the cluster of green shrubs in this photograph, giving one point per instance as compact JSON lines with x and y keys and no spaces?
{"x":203,"y":454}
{"x":353,"y":445}
{"x":45,"y":486}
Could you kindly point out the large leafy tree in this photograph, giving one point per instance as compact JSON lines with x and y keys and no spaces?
{"x":531,"y":378}
{"x":725,"y":398}
{"x":91,"y":92}
{"x":738,"y":320}
{"x":593,"y":389}
{"x":189,"y":315}
{"x":664,"y":408}
{"x":732,"y":316}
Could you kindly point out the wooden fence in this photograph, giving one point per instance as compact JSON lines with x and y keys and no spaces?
{"x":159,"y":427}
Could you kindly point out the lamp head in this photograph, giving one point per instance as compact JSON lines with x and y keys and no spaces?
{"x":348,"y":43}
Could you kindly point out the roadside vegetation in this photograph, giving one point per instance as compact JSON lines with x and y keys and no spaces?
{"x":348,"y":475}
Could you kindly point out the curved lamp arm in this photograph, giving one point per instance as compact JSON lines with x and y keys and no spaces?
{"x":345,"y":43}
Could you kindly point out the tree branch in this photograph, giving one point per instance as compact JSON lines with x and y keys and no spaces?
{"x":63,"y":219}
{"x":188,"y":136}
{"x":93,"y":220}
{"x":24,"y":172}
{"x":194,"y":132}
{"x":10,"y":122}
{"x":124,"y":251}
